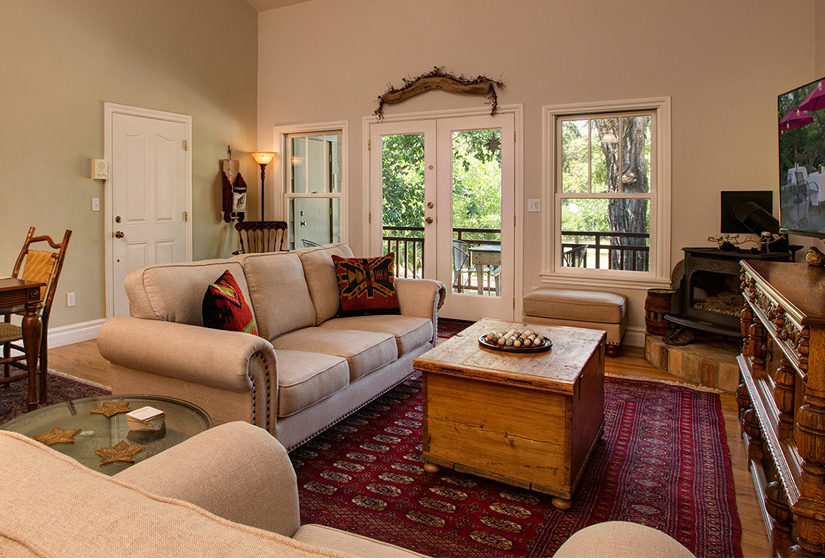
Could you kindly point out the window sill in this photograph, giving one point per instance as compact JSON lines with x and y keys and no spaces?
{"x":580,"y":280}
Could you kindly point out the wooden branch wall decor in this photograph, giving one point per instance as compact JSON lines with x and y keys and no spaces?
{"x":437,"y":78}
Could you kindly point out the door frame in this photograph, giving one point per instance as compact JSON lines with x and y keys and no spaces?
{"x":109,"y":111}
{"x":517,"y":110}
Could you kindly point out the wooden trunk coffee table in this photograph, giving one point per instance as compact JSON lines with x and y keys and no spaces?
{"x":530,"y":420}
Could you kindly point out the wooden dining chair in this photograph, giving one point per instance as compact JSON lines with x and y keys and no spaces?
{"x":40,"y":264}
{"x":261,"y":237}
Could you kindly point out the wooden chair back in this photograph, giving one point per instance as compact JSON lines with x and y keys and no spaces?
{"x":42,"y":265}
{"x":575,"y":256}
{"x":262,"y":237}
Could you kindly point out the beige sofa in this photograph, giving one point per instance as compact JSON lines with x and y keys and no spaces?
{"x":227,"y":492}
{"x":307,"y":368}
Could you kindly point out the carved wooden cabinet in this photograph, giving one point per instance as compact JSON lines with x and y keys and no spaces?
{"x":781,"y":400}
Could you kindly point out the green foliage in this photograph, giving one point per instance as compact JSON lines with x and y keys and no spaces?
{"x":402,"y":157}
{"x":476,"y":179}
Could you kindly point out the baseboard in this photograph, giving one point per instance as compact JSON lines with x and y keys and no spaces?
{"x":634,"y":336}
{"x":77,"y":332}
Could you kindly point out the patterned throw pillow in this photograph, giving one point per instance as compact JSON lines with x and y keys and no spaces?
{"x":225,"y":308}
{"x":366,"y":286}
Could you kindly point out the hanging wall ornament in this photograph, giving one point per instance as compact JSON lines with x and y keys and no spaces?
{"x":437,"y":78}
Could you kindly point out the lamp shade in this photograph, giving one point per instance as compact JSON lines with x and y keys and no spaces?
{"x":263,"y":158}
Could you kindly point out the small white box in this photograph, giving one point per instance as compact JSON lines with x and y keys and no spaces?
{"x":146,"y":419}
{"x":100,"y":169}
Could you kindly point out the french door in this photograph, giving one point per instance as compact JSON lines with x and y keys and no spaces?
{"x":443,"y":202}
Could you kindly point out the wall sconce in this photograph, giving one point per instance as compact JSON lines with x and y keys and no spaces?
{"x":263,"y":159}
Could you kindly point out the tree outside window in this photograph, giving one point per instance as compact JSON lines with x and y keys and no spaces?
{"x":605,"y":190}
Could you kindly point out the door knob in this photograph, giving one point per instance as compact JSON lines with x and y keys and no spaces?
{"x":118,"y":235}
{"x":430,"y":205}
{"x":117,"y":219}
{"x":428,"y":220}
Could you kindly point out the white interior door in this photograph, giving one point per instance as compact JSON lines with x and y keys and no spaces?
{"x":150,"y":188}
{"x":443,"y":201}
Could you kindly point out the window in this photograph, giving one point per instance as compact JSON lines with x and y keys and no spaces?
{"x":608,"y":179}
{"x":314,"y":178}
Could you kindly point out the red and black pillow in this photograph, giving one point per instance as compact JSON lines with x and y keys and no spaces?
{"x":366,"y":286}
{"x":225,"y":308}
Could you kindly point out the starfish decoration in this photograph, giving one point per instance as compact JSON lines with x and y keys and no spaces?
{"x":57,"y":435}
{"x":120,"y":452}
{"x":109,"y":409}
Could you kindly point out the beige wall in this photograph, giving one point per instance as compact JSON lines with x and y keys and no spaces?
{"x":61,"y":60}
{"x":723,"y":64}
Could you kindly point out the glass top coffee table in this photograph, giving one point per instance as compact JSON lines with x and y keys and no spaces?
{"x":183,"y":420}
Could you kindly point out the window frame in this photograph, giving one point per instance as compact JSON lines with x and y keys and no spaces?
{"x":282,"y":135}
{"x":659,"y":196}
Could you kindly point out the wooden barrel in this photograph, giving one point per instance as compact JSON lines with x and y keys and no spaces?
{"x":657,"y":303}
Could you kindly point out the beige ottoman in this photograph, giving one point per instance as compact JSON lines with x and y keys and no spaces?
{"x":579,"y":308}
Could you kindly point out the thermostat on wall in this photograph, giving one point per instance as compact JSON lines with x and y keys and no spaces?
{"x":100,"y":169}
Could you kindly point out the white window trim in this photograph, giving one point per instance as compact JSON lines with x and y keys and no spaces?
{"x":280,"y":142}
{"x":659,"y":273}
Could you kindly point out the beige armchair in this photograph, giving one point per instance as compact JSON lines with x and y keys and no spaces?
{"x":229,"y":491}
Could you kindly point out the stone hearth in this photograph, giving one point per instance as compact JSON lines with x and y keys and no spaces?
{"x":710,"y":363}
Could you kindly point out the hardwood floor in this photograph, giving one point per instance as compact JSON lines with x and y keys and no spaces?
{"x":85,"y":362}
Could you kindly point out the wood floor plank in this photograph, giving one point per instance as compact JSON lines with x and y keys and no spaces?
{"x":83,"y":360}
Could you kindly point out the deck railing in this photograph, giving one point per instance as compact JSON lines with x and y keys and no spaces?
{"x":605,"y":250}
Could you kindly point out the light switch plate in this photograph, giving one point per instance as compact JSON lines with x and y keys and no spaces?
{"x":95,"y":204}
{"x":100,"y":169}
{"x":534,"y":205}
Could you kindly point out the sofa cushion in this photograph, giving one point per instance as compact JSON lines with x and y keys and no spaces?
{"x":225,"y":308}
{"x":305,"y":378}
{"x":577,"y":305}
{"x":321,"y":279}
{"x":366,"y":286}
{"x":277,"y":285}
{"x":409,"y":332}
{"x":364,"y":351}
{"x":174,"y":292}
{"x":89,"y":514}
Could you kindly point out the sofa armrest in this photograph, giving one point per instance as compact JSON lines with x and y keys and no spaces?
{"x":212,"y":357}
{"x":235,"y":470}
{"x":421,"y":297}
{"x":228,"y":361}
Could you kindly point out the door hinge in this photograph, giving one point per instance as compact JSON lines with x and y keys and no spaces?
{"x":369,"y":145}
{"x":186,"y":145}
{"x":514,"y":304}
{"x":369,"y":217}
{"x":185,"y":216}
{"x":514,"y":137}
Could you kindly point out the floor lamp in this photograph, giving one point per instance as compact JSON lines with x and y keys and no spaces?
{"x":263,"y":159}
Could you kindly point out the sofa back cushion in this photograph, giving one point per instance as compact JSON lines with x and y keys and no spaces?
{"x":321,"y":278}
{"x":93,"y":515}
{"x":279,"y":292}
{"x":174,"y":292}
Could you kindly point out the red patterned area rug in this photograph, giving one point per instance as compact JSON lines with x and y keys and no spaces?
{"x":61,"y":388}
{"x":663,"y":461}
{"x":451,"y":327}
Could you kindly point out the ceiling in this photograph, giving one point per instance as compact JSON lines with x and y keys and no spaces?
{"x":262,"y":5}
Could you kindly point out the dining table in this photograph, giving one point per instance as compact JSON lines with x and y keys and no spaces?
{"x":16,"y":295}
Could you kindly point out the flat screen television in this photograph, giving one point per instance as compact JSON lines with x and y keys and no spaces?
{"x":802,"y":159}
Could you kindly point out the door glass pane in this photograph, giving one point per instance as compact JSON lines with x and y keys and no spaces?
{"x":636,"y":154}
{"x":476,"y":243}
{"x":605,"y":233}
{"x":314,"y":221}
{"x":402,"y":178}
